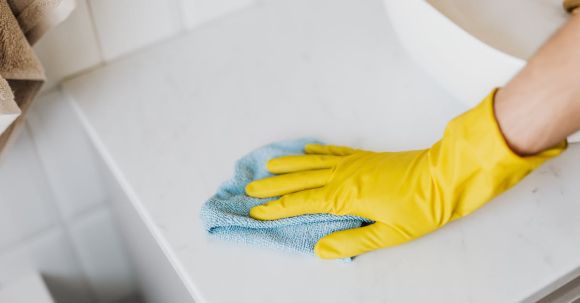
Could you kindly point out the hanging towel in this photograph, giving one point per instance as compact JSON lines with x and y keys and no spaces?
{"x":36,"y":17}
{"x":226,"y":214}
{"x":22,"y":23}
{"x":9,"y":110}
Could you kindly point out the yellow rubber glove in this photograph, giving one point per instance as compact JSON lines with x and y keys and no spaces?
{"x":407,"y":194}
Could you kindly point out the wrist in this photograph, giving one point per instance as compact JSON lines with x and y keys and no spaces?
{"x":533,"y":121}
{"x":518,"y":123}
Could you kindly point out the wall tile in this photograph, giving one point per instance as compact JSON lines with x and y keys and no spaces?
{"x":30,"y":288}
{"x":26,"y":202}
{"x":127,"y":25}
{"x":50,"y":254}
{"x":196,"y":12}
{"x":70,"y":161}
{"x":70,"y":47}
{"x":102,"y":255}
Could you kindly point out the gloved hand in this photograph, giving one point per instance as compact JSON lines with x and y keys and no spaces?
{"x":408,"y":194}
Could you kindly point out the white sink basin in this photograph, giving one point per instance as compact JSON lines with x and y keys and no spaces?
{"x":471,"y":46}
{"x":515,"y":27}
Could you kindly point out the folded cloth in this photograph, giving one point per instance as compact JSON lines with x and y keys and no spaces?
{"x":22,"y":23}
{"x":226,"y":214}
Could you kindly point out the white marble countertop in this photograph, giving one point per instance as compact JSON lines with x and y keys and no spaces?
{"x":174,"y":118}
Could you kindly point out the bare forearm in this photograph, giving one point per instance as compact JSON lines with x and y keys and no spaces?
{"x":540,"y":107}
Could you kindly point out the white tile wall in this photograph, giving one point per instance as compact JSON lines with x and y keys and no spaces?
{"x":54,"y":211}
{"x":101,"y":30}
{"x":196,"y":12}
{"x":26,"y":201}
{"x":69,"y":48}
{"x":102,"y":255}
{"x":126,"y":25}
{"x":70,"y":161}
{"x":51,"y":255}
{"x":56,"y":260}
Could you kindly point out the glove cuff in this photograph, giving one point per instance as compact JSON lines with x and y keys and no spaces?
{"x":480,"y":130}
{"x":478,"y":162}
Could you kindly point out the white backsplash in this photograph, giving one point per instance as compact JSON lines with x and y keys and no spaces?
{"x":99,"y":31}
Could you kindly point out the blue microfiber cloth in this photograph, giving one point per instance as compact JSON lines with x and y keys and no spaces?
{"x":226,"y":214}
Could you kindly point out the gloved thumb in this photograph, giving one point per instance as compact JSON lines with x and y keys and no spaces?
{"x":353,"y":242}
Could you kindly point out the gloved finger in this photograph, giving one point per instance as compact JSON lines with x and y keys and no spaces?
{"x":288,"y":183}
{"x":289,"y":164}
{"x":321,"y":149}
{"x":301,"y":203}
{"x":353,"y":242}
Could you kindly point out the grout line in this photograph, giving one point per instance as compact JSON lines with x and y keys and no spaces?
{"x":142,"y":48}
{"x":81,"y":216}
{"x":89,"y":211}
{"x":80,"y":73}
{"x":28,"y":238}
{"x":24,"y":242}
{"x":95,"y":30}
{"x":178,"y":10}
{"x":225,"y":15}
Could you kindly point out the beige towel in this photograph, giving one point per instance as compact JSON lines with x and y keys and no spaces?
{"x":37,"y":16}
{"x":9,"y":110}
{"x":23,"y":22}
